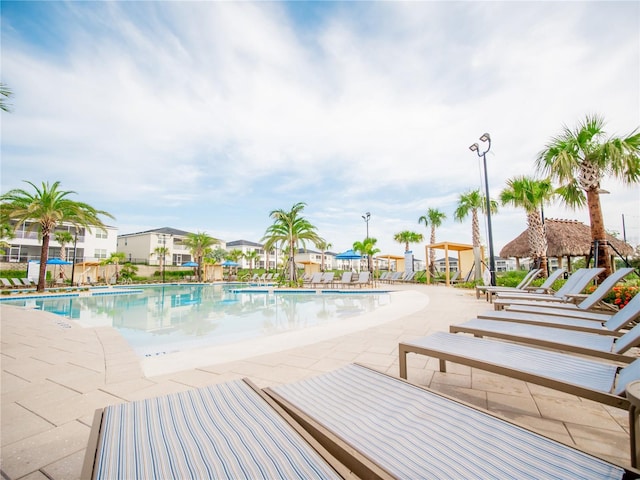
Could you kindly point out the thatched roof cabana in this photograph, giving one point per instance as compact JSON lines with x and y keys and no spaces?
{"x":565,"y":238}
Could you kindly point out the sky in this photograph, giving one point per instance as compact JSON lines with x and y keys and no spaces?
{"x":207,"y":116}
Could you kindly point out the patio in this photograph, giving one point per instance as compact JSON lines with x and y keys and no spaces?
{"x":55,"y":374}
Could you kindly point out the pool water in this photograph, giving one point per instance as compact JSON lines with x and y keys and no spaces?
{"x":167,"y":319}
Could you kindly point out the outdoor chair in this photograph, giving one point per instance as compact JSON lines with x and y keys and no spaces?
{"x":403,"y":431}
{"x":528,"y":278}
{"x":588,"y":303}
{"x":364,"y":278}
{"x":226,"y":431}
{"x":544,"y":288}
{"x":592,"y":344}
{"x":315,"y":279}
{"x":7,"y":283}
{"x":16,"y":282}
{"x":576,"y":283}
{"x":452,"y":279}
{"x":595,"y":380}
{"x":602,"y":324}
{"x":345,"y":280}
{"x":327,"y":279}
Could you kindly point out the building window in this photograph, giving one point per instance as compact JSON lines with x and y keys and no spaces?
{"x":100,"y":253}
{"x":101,"y":234}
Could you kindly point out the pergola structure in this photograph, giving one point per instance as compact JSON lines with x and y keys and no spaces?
{"x":466,"y":260}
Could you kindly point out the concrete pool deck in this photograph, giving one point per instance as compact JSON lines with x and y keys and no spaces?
{"x":55,"y":374}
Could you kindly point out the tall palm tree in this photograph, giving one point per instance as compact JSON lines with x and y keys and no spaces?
{"x":116,"y":258}
{"x":530,"y":194}
{"x":251,"y":256}
{"x":367,"y":247}
{"x":323,"y":245}
{"x":434,"y":218}
{"x":199,"y":243}
{"x":469,"y":203}
{"x":578,"y":159}
{"x":291,"y":230}
{"x":63,"y":237}
{"x":407,"y":237}
{"x":5,"y":93}
{"x":47,"y":207}
{"x":161,"y":253}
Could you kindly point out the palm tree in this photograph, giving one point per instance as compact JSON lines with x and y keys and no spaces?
{"x":408,"y":237}
{"x":290,"y":229}
{"x":199,"y":243}
{"x":5,"y":93}
{"x":63,"y":238}
{"x":323,"y":245}
{"x":161,"y":253}
{"x":115,"y":259}
{"x":434,"y":217}
{"x":578,"y":159}
{"x":251,"y":256}
{"x":530,"y":194}
{"x":367,"y":247}
{"x":47,"y":208}
{"x":471,"y":202}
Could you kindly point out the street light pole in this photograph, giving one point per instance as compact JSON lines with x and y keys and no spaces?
{"x":475,"y":148}
{"x":75,"y":249}
{"x":366,"y":218}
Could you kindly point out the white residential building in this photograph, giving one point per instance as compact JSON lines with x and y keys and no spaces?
{"x":140,"y":247}
{"x":88,"y":245}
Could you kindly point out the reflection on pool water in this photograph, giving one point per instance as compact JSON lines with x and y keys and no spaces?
{"x":167,"y":319}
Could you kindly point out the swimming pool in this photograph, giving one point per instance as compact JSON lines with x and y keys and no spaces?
{"x":160,"y":320}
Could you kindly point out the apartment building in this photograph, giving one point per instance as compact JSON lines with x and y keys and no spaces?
{"x":140,"y":247}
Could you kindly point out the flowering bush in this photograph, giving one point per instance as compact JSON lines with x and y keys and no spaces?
{"x":619,"y":295}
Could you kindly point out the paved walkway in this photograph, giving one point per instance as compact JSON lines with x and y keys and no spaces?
{"x":55,"y":374}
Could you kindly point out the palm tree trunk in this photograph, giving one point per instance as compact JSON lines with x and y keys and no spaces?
{"x":432,"y":252}
{"x":598,"y":232}
{"x":44,"y":253}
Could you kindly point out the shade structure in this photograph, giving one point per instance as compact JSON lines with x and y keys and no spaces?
{"x":229,"y":263}
{"x":190,"y":264}
{"x":348,"y":255}
{"x":58,"y":261}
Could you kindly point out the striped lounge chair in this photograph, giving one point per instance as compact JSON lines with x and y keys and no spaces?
{"x":232,"y":430}
{"x":600,"y":323}
{"x":596,"y":380}
{"x":404,"y":431}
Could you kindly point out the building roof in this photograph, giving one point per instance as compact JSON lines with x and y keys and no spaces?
{"x":163,"y":230}
{"x":564,"y":238}
{"x":237,"y":243}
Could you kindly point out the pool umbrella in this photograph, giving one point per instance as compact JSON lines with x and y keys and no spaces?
{"x":58,"y":261}
{"x":229,"y":263}
{"x":349,"y":255}
{"x":190,"y":264}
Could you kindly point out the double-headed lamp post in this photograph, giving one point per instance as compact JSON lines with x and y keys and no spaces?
{"x":475,"y":148}
{"x":366,"y":218}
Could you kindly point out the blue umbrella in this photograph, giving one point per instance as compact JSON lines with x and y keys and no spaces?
{"x":190,"y":264}
{"x":58,"y":261}
{"x":229,"y":263}
{"x":349,"y":255}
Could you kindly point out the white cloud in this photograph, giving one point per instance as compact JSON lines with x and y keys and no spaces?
{"x":206,"y":116}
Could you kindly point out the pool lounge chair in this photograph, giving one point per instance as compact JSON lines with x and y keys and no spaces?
{"x":545,"y":287}
{"x":6,"y":283}
{"x":231,"y":430}
{"x":316,"y":278}
{"x":409,"y":432}
{"x":592,"y":301}
{"x":602,"y":324}
{"x":595,"y":380}
{"x":345,"y":280}
{"x":364,"y":279}
{"x":575,"y":284}
{"x":593,"y":344}
{"x":526,"y":281}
